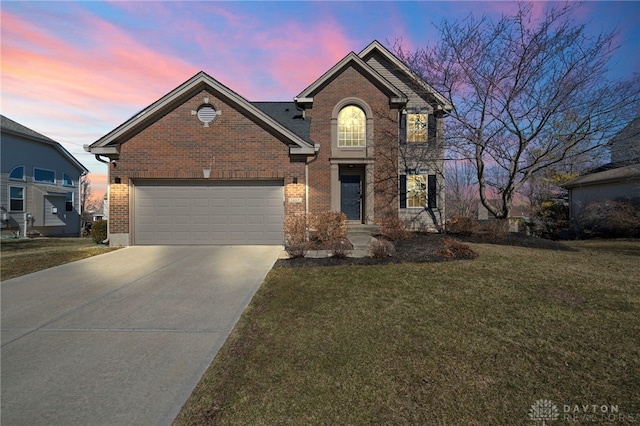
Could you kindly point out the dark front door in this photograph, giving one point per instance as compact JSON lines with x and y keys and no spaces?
{"x":350,"y":196}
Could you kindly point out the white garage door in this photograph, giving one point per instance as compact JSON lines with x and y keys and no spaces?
{"x":208,"y":213}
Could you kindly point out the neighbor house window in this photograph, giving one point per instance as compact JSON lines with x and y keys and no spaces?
{"x":66,"y":180}
{"x":44,"y":176}
{"x":16,"y":198}
{"x":351,"y":127}
{"x":69,"y":203}
{"x":418,"y":191}
{"x":417,"y":128}
{"x":17,"y":173}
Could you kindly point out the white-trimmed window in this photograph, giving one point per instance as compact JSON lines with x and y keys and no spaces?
{"x":418,"y":191}
{"x":44,"y":175}
{"x":16,"y":198}
{"x":351,"y":127}
{"x":69,"y":202}
{"x":17,"y":173}
{"x":417,"y":127}
{"x":66,"y":180}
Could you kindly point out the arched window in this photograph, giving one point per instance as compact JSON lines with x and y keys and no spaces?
{"x":17,"y":173}
{"x":351,"y":127}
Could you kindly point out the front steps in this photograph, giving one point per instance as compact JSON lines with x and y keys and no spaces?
{"x":360,"y":236}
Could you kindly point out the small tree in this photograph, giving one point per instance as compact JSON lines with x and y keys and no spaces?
{"x":87,"y":202}
{"x":461,"y":189}
{"x":527,"y":94}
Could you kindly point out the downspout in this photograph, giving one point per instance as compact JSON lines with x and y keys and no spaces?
{"x":316,"y":148}
{"x":107,"y":163}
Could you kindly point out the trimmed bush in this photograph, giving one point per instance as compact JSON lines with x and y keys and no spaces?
{"x":463,"y":225}
{"x":295,"y":235}
{"x":381,"y":248}
{"x":454,"y":249}
{"x":340,"y":248}
{"x":393,"y":228}
{"x":328,"y":227}
{"x":99,"y":231}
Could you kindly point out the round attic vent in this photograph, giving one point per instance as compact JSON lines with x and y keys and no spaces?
{"x":207,"y":113}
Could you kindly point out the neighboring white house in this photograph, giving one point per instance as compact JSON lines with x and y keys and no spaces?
{"x":619,"y":179}
{"x":39,"y":184}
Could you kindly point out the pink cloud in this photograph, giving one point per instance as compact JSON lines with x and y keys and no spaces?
{"x":110,"y":67}
{"x":98,"y":183}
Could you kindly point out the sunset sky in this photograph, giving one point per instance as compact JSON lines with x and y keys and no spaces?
{"x":74,"y":71}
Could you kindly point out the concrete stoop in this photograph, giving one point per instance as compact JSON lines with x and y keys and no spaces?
{"x":358,"y":234}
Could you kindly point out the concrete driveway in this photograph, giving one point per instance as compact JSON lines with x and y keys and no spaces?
{"x":124,"y":337}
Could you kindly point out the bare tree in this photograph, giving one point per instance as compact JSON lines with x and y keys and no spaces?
{"x":527,"y":94}
{"x":87,"y":203}
{"x":397,"y":157}
{"x":461,"y":189}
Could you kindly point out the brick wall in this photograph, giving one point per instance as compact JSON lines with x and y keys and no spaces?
{"x":178,"y":146}
{"x":351,"y":83}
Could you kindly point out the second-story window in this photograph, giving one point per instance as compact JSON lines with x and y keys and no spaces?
{"x":351,"y":127}
{"x":44,"y":176}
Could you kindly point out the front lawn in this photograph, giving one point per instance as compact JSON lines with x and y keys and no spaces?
{"x":473,"y":342}
{"x":24,"y":256}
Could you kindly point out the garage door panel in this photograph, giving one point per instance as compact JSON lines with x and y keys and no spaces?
{"x":208,"y":212}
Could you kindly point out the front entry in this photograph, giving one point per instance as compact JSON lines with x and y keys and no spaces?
{"x":350,"y":196}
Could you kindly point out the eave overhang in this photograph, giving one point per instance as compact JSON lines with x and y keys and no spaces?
{"x":109,"y":144}
{"x":376,"y":46}
{"x":396,"y":97}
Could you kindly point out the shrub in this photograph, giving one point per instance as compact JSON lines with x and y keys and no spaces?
{"x":295,"y":235}
{"x":463,"y":225}
{"x":611,"y":218}
{"x":550,"y":219}
{"x":296,"y":250}
{"x":328,"y":226}
{"x":340,"y":248}
{"x":393,"y":228}
{"x":496,"y":229}
{"x":99,"y":231}
{"x":381,"y":248}
{"x":454,"y":249}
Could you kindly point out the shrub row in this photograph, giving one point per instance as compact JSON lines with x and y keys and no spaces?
{"x":326,"y":230}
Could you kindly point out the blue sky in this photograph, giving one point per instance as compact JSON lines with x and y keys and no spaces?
{"x":75,"y":70}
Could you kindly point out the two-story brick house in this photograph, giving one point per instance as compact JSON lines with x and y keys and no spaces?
{"x":203,"y":165}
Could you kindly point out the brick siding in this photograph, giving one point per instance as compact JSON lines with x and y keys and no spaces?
{"x":178,"y":146}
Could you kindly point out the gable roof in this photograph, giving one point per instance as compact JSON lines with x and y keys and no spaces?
{"x":359,"y":61}
{"x":609,"y":173}
{"x":376,"y":47}
{"x":355,"y":61}
{"x":108,"y":144}
{"x":14,"y":128}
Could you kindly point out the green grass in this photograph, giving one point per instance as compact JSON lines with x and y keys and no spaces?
{"x":24,"y":256}
{"x":470,"y":342}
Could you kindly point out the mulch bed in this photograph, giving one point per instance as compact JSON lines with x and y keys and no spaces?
{"x":422,"y":248}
